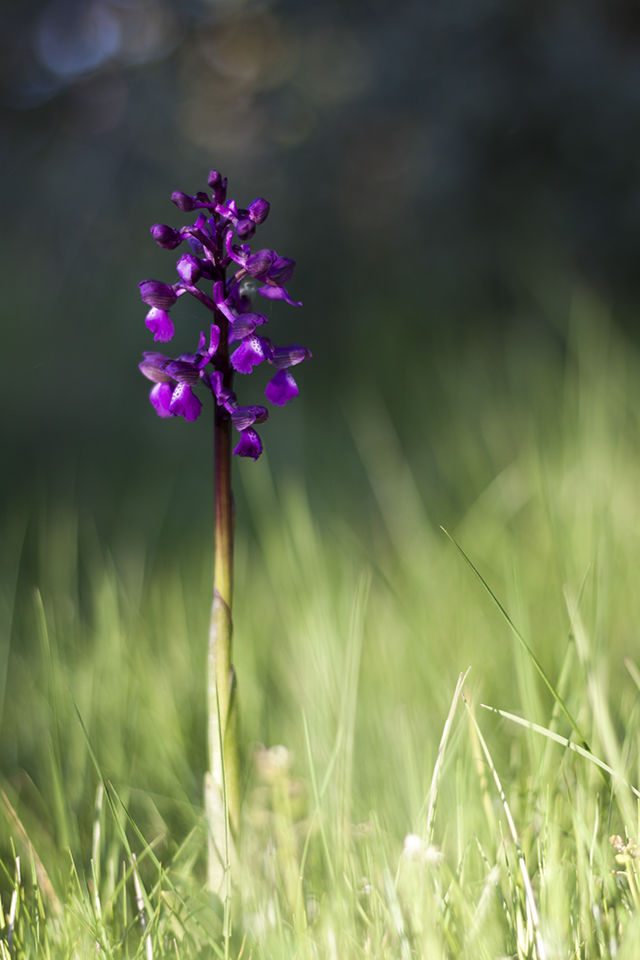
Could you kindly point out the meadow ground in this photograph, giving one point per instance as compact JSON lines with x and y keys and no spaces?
{"x":388,"y":812}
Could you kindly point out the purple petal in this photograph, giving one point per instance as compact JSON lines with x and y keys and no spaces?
{"x":218,"y":184}
{"x":183,"y":201}
{"x":244,"y":324}
{"x":183,"y":370}
{"x":258,"y":210}
{"x":225,"y":398}
{"x":282,"y":357}
{"x":274,"y":292}
{"x":166,"y":236}
{"x":282,"y":270}
{"x":281,"y":388}
{"x":243,"y":417}
{"x":189,"y":268}
{"x":221,"y":302}
{"x":245,"y":228}
{"x":196,"y":246}
{"x":160,"y":324}
{"x":237,"y":254}
{"x":160,"y":397}
{"x":184,"y":403}
{"x":153,"y":367}
{"x":157,"y":294}
{"x":260,"y":263}
{"x":214,"y":339}
{"x":248,"y":355}
{"x":250,"y":444}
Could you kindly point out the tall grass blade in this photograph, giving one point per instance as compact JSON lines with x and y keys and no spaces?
{"x":558,"y":738}
{"x":433,"y":790}
{"x":532,"y":909}
{"x":551,"y":688}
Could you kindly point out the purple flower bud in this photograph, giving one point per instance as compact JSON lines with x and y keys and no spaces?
{"x":259,"y":264}
{"x":166,"y":236}
{"x":250,"y":444}
{"x":160,"y":397}
{"x":258,"y":210}
{"x":245,"y":228}
{"x":183,"y":201}
{"x":248,"y":355}
{"x":157,"y":294}
{"x":189,"y":268}
{"x":160,"y":324}
{"x":184,"y":403}
{"x":153,"y":367}
{"x":218,"y":184}
{"x":281,"y":388}
{"x":243,"y":417}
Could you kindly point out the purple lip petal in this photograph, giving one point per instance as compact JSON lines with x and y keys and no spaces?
{"x":160,"y":324}
{"x":281,"y":388}
{"x":250,"y":444}
{"x":184,"y":403}
{"x":160,"y":397}
{"x":248,"y":355}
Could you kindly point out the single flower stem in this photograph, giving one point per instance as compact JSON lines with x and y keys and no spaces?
{"x":223,"y":780}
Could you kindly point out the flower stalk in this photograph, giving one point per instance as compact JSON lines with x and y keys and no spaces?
{"x":222,"y":792}
{"x":221,"y":261}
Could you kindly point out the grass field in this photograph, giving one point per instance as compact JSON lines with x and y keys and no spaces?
{"x":388,"y":813}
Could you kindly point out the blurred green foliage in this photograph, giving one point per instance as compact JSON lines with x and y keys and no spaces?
{"x":443,"y":173}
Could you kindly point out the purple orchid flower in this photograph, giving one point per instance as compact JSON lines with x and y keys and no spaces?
{"x":218,"y":271}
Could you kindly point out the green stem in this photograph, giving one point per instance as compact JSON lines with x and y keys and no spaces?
{"x":222,"y":789}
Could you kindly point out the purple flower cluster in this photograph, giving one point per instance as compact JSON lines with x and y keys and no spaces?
{"x":222,"y":273}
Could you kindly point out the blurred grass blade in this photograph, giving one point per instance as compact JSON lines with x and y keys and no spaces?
{"x":23,"y":838}
{"x":552,"y":690}
{"x":558,"y":738}
{"x":433,"y":790}
{"x":532,"y":909}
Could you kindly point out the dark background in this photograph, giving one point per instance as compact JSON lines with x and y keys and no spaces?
{"x":445,"y":173}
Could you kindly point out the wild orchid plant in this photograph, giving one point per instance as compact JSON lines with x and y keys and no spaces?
{"x":221,"y":273}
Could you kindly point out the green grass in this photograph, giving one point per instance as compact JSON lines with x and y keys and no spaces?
{"x":368,"y":832}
